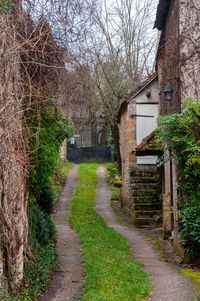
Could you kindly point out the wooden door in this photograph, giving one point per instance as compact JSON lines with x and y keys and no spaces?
{"x":146,"y":122}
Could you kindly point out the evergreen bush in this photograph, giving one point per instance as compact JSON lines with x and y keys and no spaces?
{"x":47,"y":199}
{"x":41,"y":227}
{"x":181,"y":134}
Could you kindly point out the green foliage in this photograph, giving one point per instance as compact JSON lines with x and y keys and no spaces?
{"x":118,"y":183}
{"x":181,"y":133}
{"x":47,"y":135}
{"x":5,"y":7}
{"x":37,"y":274}
{"x":47,"y":199}
{"x":41,"y":226}
{"x":112,"y":172}
{"x":64,"y":170}
{"x":112,"y":148}
{"x":110,"y":272}
{"x":45,"y":144}
{"x":115,"y":193}
{"x":190,"y":228}
{"x":114,"y":177}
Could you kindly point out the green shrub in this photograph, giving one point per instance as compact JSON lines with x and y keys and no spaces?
{"x":190,"y":228}
{"x":37,"y":274}
{"x":112,"y":172}
{"x":41,"y":226}
{"x":181,"y":134}
{"x":5,"y":7}
{"x":118,"y":183}
{"x":47,"y":199}
{"x":45,"y":144}
{"x":115,"y":193}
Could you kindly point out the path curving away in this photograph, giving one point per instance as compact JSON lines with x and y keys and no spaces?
{"x":67,"y":281}
{"x":169,"y":283}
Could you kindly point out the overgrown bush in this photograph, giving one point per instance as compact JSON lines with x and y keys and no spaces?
{"x":41,"y":226}
{"x":181,"y":134}
{"x":112,"y":172}
{"x":46,"y":140}
{"x":45,"y":144}
{"x":190,"y":227}
{"x":114,"y":177}
{"x":47,"y":199}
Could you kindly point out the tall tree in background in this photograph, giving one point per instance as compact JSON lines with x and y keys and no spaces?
{"x":121,"y":50}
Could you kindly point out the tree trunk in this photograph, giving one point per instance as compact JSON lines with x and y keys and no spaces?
{"x":115,"y":135}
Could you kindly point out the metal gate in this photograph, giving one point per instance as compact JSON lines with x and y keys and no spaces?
{"x":87,"y":154}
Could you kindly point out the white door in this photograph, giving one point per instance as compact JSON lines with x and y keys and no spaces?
{"x":146,"y":122}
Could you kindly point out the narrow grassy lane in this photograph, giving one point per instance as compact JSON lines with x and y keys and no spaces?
{"x":109,"y":271}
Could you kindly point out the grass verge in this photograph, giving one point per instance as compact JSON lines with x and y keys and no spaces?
{"x":110,"y":272}
{"x":195,"y":276}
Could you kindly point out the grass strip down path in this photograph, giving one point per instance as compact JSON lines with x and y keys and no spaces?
{"x":110,"y":272}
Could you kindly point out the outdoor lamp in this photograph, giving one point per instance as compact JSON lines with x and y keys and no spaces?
{"x":148,"y":93}
{"x":168,"y":92}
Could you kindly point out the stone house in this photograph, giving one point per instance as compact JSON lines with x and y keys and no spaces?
{"x":178,"y":74}
{"x":137,"y":119}
{"x":178,"y":67}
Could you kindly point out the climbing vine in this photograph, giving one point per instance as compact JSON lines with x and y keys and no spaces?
{"x":5,"y":7}
{"x":47,"y":135}
{"x":181,"y":134}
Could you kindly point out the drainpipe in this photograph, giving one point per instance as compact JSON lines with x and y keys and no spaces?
{"x":171,"y":195}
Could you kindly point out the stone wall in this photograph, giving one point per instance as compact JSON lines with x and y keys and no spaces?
{"x":145,"y":206}
{"x":168,"y":62}
{"x":189,"y":48}
{"x":127,"y":129}
{"x":124,"y":151}
{"x":178,"y":63}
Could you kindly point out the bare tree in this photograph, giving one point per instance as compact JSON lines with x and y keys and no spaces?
{"x":32,"y":58}
{"x":121,"y":51}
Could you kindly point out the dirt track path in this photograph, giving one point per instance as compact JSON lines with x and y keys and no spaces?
{"x":67,"y":282}
{"x":169,"y":283}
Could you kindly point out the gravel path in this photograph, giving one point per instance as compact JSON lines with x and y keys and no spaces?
{"x":67,"y":281}
{"x":169,"y":283}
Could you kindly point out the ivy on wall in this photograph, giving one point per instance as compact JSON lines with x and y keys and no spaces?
{"x":5,"y":7}
{"x":47,"y":130}
{"x":181,"y":134}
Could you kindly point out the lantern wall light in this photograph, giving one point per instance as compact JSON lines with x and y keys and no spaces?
{"x":168,"y":91}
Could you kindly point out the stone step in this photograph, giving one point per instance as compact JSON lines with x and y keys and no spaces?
{"x":144,"y":173}
{"x":147,"y":206}
{"x":146,"y":192}
{"x":144,"y":186}
{"x":146,"y":221}
{"x":148,"y":213}
{"x":136,"y":179}
{"x":145,"y":199}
